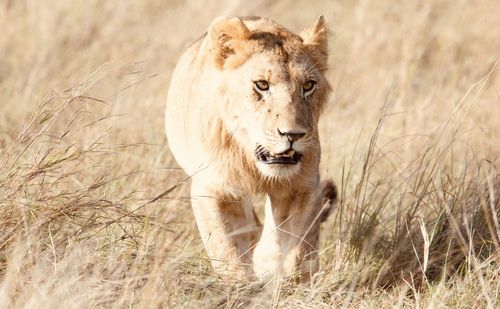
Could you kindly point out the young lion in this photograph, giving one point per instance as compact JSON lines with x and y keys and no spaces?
{"x":242,"y":119}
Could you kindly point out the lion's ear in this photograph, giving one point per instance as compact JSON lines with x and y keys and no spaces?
{"x":316,"y":41}
{"x":226,"y":35}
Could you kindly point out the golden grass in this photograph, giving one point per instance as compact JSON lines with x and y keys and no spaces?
{"x":95,"y":213}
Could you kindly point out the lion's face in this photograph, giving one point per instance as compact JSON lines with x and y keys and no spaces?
{"x":275,"y":116}
{"x":270,"y":90}
{"x":280,"y":90}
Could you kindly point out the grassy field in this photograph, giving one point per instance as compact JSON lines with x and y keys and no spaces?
{"x":94,"y":211}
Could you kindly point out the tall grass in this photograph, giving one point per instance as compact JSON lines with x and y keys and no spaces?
{"x":94,"y":211}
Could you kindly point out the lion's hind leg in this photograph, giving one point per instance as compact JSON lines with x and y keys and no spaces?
{"x":329,"y":195}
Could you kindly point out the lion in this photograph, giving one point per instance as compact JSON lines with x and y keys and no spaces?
{"x":242,"y":120}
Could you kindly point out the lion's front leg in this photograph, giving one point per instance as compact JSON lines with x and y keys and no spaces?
{"x":290,"y":238}
{"x":228,"y":230}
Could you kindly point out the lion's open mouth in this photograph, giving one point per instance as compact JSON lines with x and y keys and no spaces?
{"x":288,"y":157}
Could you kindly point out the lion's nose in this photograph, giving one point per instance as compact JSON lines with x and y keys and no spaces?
{"x":292,"y":135}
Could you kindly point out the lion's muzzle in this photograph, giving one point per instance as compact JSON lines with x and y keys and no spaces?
{"x":288,"y":157}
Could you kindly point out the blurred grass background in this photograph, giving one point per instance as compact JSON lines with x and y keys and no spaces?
{"x":94,"y":211}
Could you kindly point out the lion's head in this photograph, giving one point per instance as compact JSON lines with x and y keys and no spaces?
{"x":277,"y":78}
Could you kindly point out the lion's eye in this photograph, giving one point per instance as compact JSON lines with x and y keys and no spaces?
{"x":262,"y":85}
{"x":308,"y":86}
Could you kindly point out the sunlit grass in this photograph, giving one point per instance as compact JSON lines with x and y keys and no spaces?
{"x":94,"y":211}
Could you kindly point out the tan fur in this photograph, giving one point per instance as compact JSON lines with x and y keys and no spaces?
{"x":216,"y":118}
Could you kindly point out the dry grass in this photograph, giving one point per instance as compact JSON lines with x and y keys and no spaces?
{"x":94,"y":211}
